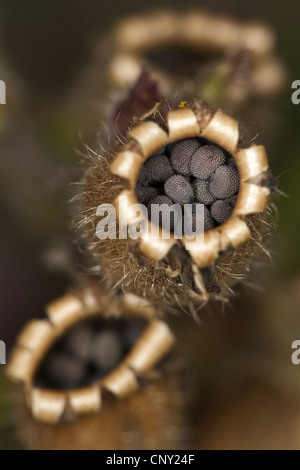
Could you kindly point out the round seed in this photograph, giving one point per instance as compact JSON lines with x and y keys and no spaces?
{"x":222,"y":209}
{"x":63,"y":370}
{"x":77,"y":341}
{"x":181,"y":155}
{"x":156,"y":212}
{"x":106,"y":350}
{"x":159,"y":167}
{"x":224,"y":182}
{"x":146,"y":193}
{"x":179,"y":189}
{"x":202,"y":192}
{"x":206,"y":160}
{"x":208,"y":221}
{"x":144,"y":177}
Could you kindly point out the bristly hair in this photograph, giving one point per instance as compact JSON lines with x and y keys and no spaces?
{"x":174,"y":279}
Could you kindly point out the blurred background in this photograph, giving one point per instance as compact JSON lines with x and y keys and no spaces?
{"x":250,"y":390}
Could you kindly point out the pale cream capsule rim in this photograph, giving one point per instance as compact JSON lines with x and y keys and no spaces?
{"x":220,"y":129}
{"x":35,"y":339}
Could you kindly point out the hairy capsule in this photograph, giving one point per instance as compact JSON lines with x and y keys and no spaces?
{"x":171,"y":270}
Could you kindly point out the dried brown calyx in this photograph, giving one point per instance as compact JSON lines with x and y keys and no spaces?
{"x":183,"y":155}
{"x":90,"y":346}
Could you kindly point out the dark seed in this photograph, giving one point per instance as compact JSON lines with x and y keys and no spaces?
{"x":63,"y":370}
{"x":145,"y":194}
{"x":106,"y":350}
{"x":179,"y":189}
{"x":206,"y":160}
{"x":181,"y":155}
{"x":159,"y":167}
{"x":156,"y":212}
{"x":78,"y":340}
{"x":130,"y":334}
{"x":221,"y":210}
{"x":202,"y":192}
{"x":208,"y":221}
{"x":224,"y":182}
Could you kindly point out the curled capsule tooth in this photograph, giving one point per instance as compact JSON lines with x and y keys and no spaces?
{"x":202,"y":192}
{"x":224,"y":182}
{"x":206,"y":160}
{"x":181,"y":155}
{"x":179,"y":190}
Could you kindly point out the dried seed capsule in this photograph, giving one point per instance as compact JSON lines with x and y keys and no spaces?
{"x":202,"y":192}
{"x":222,"y":209}
{"x":225,"y":182}
{"x":179,"y":190}
{"x":181,"y":155}
{"x":144,"y":271}
{"x":95,"y":416}
{"x":206,"y":160}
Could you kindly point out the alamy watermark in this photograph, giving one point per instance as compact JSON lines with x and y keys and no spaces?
{"x":296,"y":94}
{"x":2,"y":353}
{"x":296,"y":354}
{"x":2,"y":92}
{"x":166,"y":222}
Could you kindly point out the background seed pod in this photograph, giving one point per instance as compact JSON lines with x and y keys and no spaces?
{"x":166,"y":270}
{"x":191,"y":54}
{"x":51,"y":357}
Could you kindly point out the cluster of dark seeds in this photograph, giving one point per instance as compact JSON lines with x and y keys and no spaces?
{"x":86,"y":353}
{"x":190,"y":171}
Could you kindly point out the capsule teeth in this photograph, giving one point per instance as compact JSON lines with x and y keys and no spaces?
{"x":181,"y":155}
{"x":179,"y":190}
{"x":224,"y":182}
{"x":206,"y":160}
